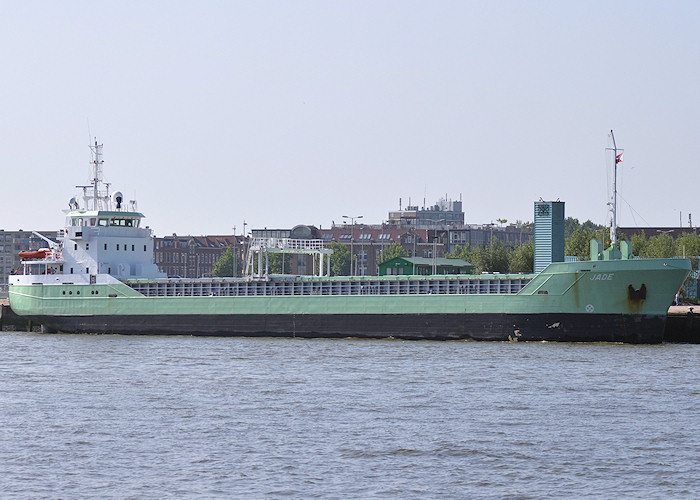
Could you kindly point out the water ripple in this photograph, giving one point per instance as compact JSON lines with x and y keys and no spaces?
{"x":153,"y":417}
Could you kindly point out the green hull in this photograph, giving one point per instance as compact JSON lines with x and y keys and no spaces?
{"x":581,"y":294}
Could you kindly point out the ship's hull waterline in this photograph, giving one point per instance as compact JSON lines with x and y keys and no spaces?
{"x":626,"y":328}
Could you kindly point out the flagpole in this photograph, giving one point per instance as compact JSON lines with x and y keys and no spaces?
{"x":613,"y":208}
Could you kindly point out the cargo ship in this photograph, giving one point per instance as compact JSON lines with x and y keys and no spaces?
{"x":100,"y":277}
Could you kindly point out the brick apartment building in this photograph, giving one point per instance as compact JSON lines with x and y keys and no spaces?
{"x":193,"y":256}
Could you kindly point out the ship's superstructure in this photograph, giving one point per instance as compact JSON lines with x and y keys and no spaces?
{"x":99,"y":277}
{"x":101,"y":241}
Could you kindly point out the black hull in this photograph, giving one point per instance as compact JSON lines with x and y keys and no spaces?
{"x":633,"y":329}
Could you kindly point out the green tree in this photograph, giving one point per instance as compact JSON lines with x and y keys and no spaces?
{"x":639,"y":244}
{"x":688,"y":244}
{"x":394,"y":250}
{"x":465,"y":253}
{"x":340,"y":259}
{"x":224,"y":266}
{"x":660,"y":246}
{"x":491,"y":259}
{"x":279,"y":263}
{"x":593,"y":226}
{"x":522,"y":258}
{"x":571,"y":225}
{"x":579,"y":244}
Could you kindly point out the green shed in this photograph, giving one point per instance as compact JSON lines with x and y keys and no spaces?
{"x":424,"y":266}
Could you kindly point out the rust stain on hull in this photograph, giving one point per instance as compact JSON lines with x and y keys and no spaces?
{"x":636,"y":298}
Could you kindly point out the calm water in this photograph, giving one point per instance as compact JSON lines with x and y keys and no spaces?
{"x":147,"y":417}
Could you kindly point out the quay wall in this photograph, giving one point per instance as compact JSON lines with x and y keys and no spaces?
{"x":683,"y":325}
{"x":10,"y":321}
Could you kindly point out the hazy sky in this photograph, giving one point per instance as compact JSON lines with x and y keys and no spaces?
{"x":299,"y":112}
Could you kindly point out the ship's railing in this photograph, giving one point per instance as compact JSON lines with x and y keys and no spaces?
{"x":206,"y":287}
{"x":288,"y":244}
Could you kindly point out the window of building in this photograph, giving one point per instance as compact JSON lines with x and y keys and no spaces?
{"x":346,"y":236}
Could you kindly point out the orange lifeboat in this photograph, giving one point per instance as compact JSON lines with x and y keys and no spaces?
{"x":42,"y":253}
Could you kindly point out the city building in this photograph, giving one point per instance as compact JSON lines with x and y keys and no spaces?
{"x":481,"y":235}
{"x":194,"y":256}
{"x":448,"y":215}
{"x":444,"y":213}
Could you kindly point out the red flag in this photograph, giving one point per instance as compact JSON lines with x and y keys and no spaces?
{"x":618,"y":158}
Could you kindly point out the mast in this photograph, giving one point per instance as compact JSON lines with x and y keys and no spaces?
{"x":97,"y":162}
{"x":613,"y":206}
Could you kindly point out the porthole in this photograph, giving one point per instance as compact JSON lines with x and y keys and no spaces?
{"x":64,"y":292}
{"x":70,"y":292}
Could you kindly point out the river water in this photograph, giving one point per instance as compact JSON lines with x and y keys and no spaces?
{"x":150,"y":417}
